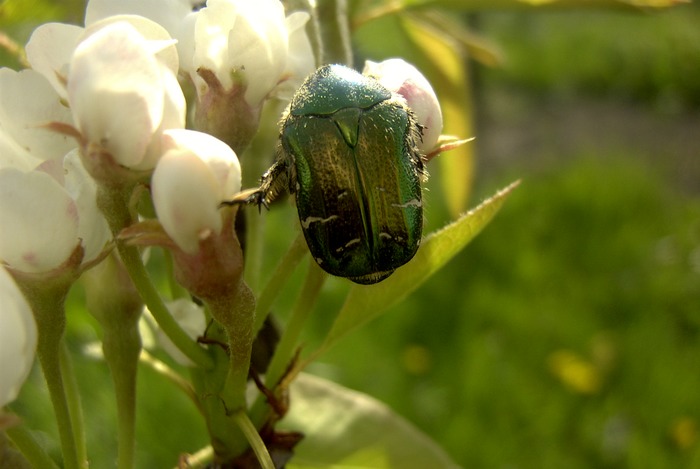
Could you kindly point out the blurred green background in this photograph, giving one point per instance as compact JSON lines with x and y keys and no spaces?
{"x":568,"y":333}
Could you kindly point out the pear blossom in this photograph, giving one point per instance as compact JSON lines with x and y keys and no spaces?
{"x":49,"y":199}
{"x":121,"y":94}
{"x":27,"y":102}
{"x":400,"y":77}
{"x":248,"y":44}
{"x":167,"y":13}
{"x":195,"y":173}
{"x":18,"y":338}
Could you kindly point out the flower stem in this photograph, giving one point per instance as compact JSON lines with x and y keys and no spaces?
{"x":290,"y":337}
{"x":121,"y":345}
{"x":335,"y":32}
{"x":132,"y":261}
{"x":253,"y":437}
{"x":32,"y":450}
{"x":49,"y":353}
{"x":74,"y":405}
{"x":113,"y":201}
{"x":164,"y":370}
{"x":282,"y":272}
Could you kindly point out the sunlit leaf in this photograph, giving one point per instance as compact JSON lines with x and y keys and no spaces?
{"x":368,"y":11}
{"x":345,"y":428}
{"x":365,"y":303}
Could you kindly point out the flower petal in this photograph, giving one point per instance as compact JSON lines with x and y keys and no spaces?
{"x":93,"y":229}
{"x":40,"y":221}
{"x":18,"y":337}
{"x":49,"y":51}
{"x":193,"y":176}
{"x":115,"y":90}
{"x":28,"y":101}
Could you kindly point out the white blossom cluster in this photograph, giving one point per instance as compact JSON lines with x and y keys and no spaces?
{"x":105,"y":101}
{"x":108,"y":96}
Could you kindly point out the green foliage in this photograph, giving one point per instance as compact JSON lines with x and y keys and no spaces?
{"x":565,"y":336}
{"x":655,"y":58}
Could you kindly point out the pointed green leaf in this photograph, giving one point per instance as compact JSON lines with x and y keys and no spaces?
{"x":366,"y":302}
{"x":345,"y":428}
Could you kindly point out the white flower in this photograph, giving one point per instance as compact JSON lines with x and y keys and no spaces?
{"x":404,"y":79}
{"x":167,"y":13}
{"x":246,"y":43}
{"x":121,"y":94}
{"x":27,"y":101}
{"x":188,"y":315}
{"x":18,"y":337}
{"x":47,"y":213}
{"x":195,"y":173}
{"x":49,"y":50}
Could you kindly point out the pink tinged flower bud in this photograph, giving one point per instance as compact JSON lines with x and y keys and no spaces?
{"x":33,"y":205}
{"x":18,"y":338}
{"x":195,"y":173}
{"x":49,"y":200}
{"x":117,"y":89}
{"x":404,"y":79}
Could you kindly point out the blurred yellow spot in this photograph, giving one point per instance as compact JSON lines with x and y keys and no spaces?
{"x":416,"y":359}
{"x":684,"y":432}
{"x":575,"y":372}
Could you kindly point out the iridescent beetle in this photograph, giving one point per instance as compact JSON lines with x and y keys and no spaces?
{"x":348,"y":152}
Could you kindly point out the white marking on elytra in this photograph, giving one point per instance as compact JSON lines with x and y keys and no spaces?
{"x":385,"y":235}
{"x":410,"y":203}
{"x":347,"y":245}
{"x":351,"y":242}
{"x":306,"y":222}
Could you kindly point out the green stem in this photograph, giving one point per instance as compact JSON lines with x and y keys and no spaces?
{"x":335,"y":32}
{"x":253,"y":437}
{"x":74,"y":405}
{"x":164,"y":370}
{"x":290,"y":337}
{"x":32,"y":450}
{"x":284,"y":269}
{"x":113,"y":201}
{"x":222,"y":389}
{"x":49,"y":353}
{"x":132,"y":262}
{"x":239,"y":328}
{"x":121,"y":345}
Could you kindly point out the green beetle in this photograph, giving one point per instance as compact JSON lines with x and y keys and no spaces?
{"x":348,"y":152}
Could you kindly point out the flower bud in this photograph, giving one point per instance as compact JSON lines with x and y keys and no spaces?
{"x":18,"y":338}
{"x":119,"y":93}
{"x":404,"y":79}
{"x":238,"y":53}
{"x":48,"y":200}
{"x":195,"y":173}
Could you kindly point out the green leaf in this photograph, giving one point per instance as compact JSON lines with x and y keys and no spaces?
{"x":366,"y":302}
{"x":345,"y":428}
{"x":373,"y":10}
{"x":503,"y":4}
